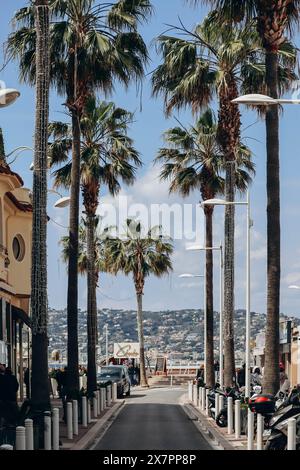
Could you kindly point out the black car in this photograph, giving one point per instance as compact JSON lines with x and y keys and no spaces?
{"x":118,"y":375}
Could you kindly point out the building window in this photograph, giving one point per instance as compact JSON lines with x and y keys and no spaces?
{"x":18,"y":247}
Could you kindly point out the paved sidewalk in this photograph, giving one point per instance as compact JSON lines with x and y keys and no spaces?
{"x":219,"y":435}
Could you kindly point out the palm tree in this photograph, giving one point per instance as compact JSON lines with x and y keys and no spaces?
{"x":90,"y":46}
{"x":139,"y":255}
{"x":274,"y":20}
{"x":216,"y":60}
{"x":194,"y":161}
{"x":107,"y":156}
{"x":40,"y":398}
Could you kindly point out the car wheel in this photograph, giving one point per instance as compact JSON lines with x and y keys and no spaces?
{"x":221,"y":419}
{"x":128,"y":393}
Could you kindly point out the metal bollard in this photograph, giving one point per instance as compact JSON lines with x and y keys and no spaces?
{"x":229,"y":415}
{"x":55,"y":428}
{"x":190,"y":391}
{"x":221,"y":403}
{"x":20,"y":438}
{"x":237,"y":419}
{"x":250,"y":430}
{"x":195,"y":395}
{"x":103,"y":392}
{"x":29,"y":434}
{"x":260,"y":432}
{"x":75,"y":417}
{"x":88,"y":411}
{"x":217,"y":395}
{"x":108,"y":395}
{"x":70,"y":420}
{"x":84,"y":412}
{"x":47,"y":431}
{"x":115,"y":392}
{"x":203,"y":399}
{"x":98,"y":403}
{"x":291,"y":434}
{"x":206,"y":402}
{"x":95,"y":407}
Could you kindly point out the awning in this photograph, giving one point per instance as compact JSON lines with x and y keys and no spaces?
{"x":19,"y":314}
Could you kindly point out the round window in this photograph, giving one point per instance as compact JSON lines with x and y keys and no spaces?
{"x":18,"y":248}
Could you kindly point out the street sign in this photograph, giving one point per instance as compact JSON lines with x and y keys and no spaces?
{"x":127,"y":350}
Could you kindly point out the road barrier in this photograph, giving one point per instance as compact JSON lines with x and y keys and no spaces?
{"x":95,"y":407}
{"x":20,"y":438}
{"x":259,"y":432}
{"x":84,"y":412}
{"x":103,"y":398}
{"x":230,"y":415}
{"x":29,"y":434}
{"x":75,"y":417}
{"x":108,"y":395}
{"x":47,"y":431}
{"x":291,"y":445}
{"x":70,"y":420}
{"x":115,"y":392}
{"x":88,"y":411}
{"x":250,"y":445}
{"x":55,"y":428}
{"x":237,"y":419}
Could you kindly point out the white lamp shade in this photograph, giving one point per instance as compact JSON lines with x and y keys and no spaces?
{"x":256,"y":99}
{"x":62,"y":202}
{"x":194,"y":248}
{"x":214,"y":202}
{"x":8,"y":96}
{"x":183,"y":276}
{"x":294,"y":287}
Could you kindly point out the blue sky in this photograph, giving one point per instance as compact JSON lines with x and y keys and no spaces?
{"x":150,"y":122}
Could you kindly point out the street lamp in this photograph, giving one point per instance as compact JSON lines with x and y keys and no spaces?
{"x":190,"y":276}
{"x":262,"y":100}
{"x":221,"y":348}
{"x":8,"y":96}
{"x":294,"y":287}
{"x":220,"y":202}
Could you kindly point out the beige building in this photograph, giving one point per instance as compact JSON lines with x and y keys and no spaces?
{"x":15,"y":267}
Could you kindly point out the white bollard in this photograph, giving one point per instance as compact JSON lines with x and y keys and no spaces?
{"x":206,"y":402}
{"x":75,"y":417}
{"x":98,"y":402}
{"x":103,"y":393}
{"x":260,"y":432}
{"x":108,"y":395}
{"x":55,"y":428}
{"x":47,"y":431}
{"x":190,"y":391}
{"x":95,"y":407}
{"x":250,"y":430}
{"x":20,"y":438}
{"x":115,"y":392}
{"x":84,"y":412}
{"x":70,"y":420}
{"x":229,"y":415}
{"x":203,"y":399}
{"x":291,"y":434}
{"x":29,"y":434}
{"x":195,"y":395}
{"x":237,"y":419}
{"x":88,"y":411}
{"x":221,"y":403}
{"x":216,"y":405}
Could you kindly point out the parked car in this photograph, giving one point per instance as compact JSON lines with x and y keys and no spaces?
{"x":118,"y":375}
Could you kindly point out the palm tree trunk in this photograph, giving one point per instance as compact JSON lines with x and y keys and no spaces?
{"x":229,"y":137}
{"x":271,"y":377}
{"x":210,"y":372}
{"x":72,"y":307}
{"x":143,"y":376}
{"x":91,"y":307}
{"x":39,"y":302}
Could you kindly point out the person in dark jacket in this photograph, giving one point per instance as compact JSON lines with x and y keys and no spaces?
{"x":241,"y":376}
{"x":12,"y":386}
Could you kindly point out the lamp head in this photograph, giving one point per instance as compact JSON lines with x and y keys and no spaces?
{"x":8,"y":96}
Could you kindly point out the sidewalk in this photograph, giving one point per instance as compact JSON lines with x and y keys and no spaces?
{"x":86,"y":436}
{"x":219,"y":435}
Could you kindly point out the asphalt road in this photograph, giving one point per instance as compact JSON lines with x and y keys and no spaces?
{"x":153,"y":420}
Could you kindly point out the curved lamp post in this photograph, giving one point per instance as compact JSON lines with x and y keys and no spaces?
{"x":221,"y":202}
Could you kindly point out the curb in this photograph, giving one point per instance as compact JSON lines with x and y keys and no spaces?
{"x":100,"y":427}
{"x":208,"y":429}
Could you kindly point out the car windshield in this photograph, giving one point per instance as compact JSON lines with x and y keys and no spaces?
{"x":110,"y":372}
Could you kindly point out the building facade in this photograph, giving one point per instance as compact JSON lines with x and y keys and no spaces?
{"x":15,"y":268}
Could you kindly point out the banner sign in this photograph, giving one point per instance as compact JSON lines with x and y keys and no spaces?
{"x":127,"y":350}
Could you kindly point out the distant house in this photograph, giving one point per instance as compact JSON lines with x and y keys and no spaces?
{"x":15,"y":269}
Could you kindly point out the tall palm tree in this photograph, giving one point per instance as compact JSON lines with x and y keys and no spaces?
{"x":139,"y":255}
{"x":40,"y":397}
{"x":194,"y":161}
{"x":107,"y":158}
{"x":90,"y":46}
{"x":274,"y":20}
{"x":216,"y":60}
